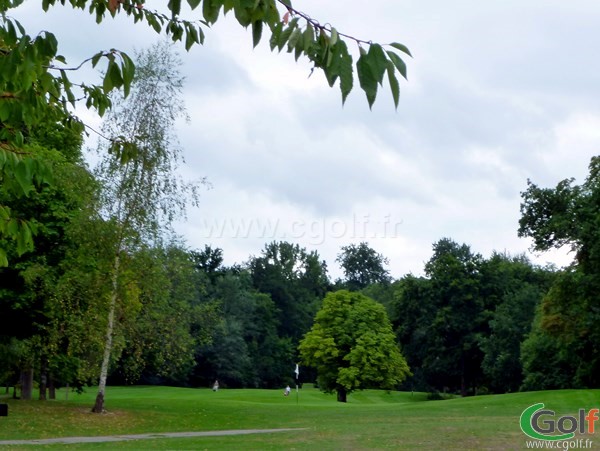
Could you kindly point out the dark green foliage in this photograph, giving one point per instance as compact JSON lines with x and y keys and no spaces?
{"x":383,"y":293}
{"x":247,"y":350}
{"x":453,"y":356}
{"x":462,"y":326}
{"x":209,"y":261}
{"x":362,"y":266}
{"x":32,"y":308}
{"x":272,"y":355}
{"x":570,"y":313}
{"x":513,"y":288}
{"x":411,"y":312}
{"x":171,"y":322}
{"x":296,"y":280}
{"x":547,"y":363}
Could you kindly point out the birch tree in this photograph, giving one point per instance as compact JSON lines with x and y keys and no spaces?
{"x":142,"y":193}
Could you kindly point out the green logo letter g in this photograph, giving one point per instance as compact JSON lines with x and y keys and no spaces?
{"x":529,"y":424}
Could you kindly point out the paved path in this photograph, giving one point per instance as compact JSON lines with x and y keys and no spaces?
{"x":120,"y":438}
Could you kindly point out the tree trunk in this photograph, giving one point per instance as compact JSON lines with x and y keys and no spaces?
{"x":463,"y":386}
{"x":99,"y":404}
{"x":341,"y":394}
{"x":27,"y":384}
{"x":51,"y":387}
{"x":43,"y":379}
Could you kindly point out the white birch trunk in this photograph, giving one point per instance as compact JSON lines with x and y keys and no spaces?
{"x":99,"y":405}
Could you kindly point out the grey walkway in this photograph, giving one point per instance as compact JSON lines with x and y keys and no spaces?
{"x":121,"y":438}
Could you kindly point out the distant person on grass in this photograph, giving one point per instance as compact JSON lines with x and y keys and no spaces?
{"x":287,"y":391}
{"x":216,"y":386}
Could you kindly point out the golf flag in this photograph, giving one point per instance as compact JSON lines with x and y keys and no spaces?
{"x":297,"y":371}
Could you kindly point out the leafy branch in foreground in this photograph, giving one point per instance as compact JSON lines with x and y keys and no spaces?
{"x":325,"y":47}
{"x":301,"y":34}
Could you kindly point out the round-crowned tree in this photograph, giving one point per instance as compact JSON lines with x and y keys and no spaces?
{"x":352,"y":346}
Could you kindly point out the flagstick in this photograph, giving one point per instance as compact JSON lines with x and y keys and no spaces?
{"x":297,"y":371}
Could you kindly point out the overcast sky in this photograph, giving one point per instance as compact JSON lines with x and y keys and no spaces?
{"x":498,"y":92}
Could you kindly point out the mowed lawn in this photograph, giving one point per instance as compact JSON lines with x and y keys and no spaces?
{"x":370,"y":420}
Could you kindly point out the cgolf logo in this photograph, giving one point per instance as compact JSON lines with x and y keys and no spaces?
{"x":541,"y":424}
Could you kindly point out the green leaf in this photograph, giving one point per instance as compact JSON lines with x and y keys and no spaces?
{"x":335,"y":54}
{"x":209,"y":11}
{"x":401,"y":47}
{"x":328,"y":57}
{"x":153,"y":22}
{"x":24,"y":239}
{"x":256,"y":32}
{"x":96,"y":58}
{"x":368,"y":82}
{"x":5,"y":110}
{"x":285,"y":34}
{"x":22,"y":174}
{"x":377,"y":61}
{"x":114,"y":72}
{"x":100,"y":10}
{"x":275,"y":33}
{"x":346,"y":71}
{"x":175,"y":7}
{"x":20,"y":27}
{"x":191,"y":37}
{"x":3,"y":259}
{"x":394,"y":85}
{"x":42,"y":172}
{"x":4,"y":216}
{"x":334,"y":37}
{"x":228,"y":5}
{"x":399,"y":63}
{"x":299,"y":50}
{"x":309,"y":37}
{"x":193,"y":3}
{"x":294,"y":38}
{"x":128,"y":73}
{"x":50,"y":44}
{"x":18,"y":139}
{"x":107,"y":83}
{"x":176,"y":30}
{"x":10,"y":35}
{"x":12,"y":228}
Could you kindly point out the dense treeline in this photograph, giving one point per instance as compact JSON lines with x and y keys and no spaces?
{"x":462,"y":324}
{"x":464,"y":327}
{"x":469,"y":325}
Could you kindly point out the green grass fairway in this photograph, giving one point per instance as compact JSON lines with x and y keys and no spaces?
{"x":370,"y":420}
